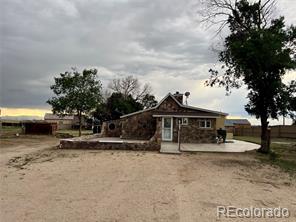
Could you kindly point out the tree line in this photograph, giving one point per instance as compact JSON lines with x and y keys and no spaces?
{"x":81,"y":93}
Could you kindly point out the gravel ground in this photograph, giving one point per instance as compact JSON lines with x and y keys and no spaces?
{"x":42,"y":183}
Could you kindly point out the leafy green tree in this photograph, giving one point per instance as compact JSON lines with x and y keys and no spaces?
{"x":148,"y":101}
{"x":118,"y":104}
{"x":76,"y":93}
{"x":257,"y":53}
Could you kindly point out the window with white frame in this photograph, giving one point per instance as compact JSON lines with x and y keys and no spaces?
{"x":205,"y":123}
{"x":184,"y":121}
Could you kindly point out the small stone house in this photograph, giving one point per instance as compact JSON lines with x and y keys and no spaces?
{"x":169,"y":120}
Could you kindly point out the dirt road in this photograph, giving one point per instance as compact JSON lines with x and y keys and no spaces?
{"x":42,"y":183}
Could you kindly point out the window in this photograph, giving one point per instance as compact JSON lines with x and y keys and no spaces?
{"x":184,"y":121}
{"x":205,"y":124}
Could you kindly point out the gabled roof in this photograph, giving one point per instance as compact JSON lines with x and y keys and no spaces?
{"x":50,"y":116}
{"x":232,"y":122}
{"x":181,"y":105}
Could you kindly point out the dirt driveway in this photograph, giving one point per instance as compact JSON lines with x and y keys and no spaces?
{"x":42,"y":183}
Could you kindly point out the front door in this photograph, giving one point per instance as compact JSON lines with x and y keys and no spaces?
{"x":167,"y":128}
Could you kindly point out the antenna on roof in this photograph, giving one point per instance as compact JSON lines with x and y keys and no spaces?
{"x":187,"y":94}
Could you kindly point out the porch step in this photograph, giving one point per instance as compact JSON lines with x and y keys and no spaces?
{"x":169,"y":148}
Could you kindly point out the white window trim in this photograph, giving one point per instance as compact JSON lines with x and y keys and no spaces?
{"x":182,"y":121}
{"x":172,"y":128}
{"x":205,"y":121}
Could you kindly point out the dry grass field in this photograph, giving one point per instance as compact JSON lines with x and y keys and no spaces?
{"x":42,"y":183}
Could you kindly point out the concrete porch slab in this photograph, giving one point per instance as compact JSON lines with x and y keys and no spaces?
{"x":169,"y":148}
{"x":117,"y":140}
{"x":232,"y":146}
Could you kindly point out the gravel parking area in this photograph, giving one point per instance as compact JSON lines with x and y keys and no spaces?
{"x":42,"y":183}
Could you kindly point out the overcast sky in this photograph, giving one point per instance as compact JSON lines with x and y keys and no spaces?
{"x":158,"y":41}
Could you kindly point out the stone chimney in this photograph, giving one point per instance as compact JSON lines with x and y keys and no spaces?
{"x":179,"y":97}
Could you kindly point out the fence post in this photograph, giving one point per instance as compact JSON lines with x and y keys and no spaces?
{"x":279,"y":132}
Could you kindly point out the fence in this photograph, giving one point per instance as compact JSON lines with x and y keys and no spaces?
{"x":276,"y":131}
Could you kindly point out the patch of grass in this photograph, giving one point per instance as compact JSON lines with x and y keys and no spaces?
{"x":8,"y":131}
{"x":282,"y":154}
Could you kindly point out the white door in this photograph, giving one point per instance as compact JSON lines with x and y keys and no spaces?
{"x":167,"y":128}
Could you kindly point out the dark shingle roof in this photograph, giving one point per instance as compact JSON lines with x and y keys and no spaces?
{"x":232,"y":122}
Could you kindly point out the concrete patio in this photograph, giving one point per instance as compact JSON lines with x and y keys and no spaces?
{"x":232,"y":146}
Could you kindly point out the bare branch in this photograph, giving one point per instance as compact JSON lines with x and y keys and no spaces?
{"x":219,"y":12}
{"x":130,"y":86}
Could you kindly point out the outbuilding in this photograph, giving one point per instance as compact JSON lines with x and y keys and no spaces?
{"x":39,"y":127}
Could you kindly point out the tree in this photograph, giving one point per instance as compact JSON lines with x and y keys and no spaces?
{"x":115,"y":106}
{"x":149,"y":101}
{"x":130,"y":86}
{"x":257,"y":53}
{"x":76,"y":93}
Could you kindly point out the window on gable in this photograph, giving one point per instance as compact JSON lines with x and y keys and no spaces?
{"x":205,"y":124}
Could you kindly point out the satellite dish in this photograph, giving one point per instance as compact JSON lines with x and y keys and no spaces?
{"x":187,"y":94}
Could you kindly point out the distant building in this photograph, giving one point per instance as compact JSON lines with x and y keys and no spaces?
{"x":64,"y":122}
{"x":39,"y":127}
{"x":232,"y":124}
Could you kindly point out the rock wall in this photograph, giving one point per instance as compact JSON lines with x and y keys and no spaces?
{"x":140,"y":126}
{"x":91,"y":144}
{"x":111,"y":128}
{"x":157,"y":135}
{"x":193,"y":134}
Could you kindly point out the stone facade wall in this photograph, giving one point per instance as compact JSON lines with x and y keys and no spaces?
{"x":169,"y":105}
{"x":140,"y":126}
{"x":175,"y":129}
{"x":158,"y":131}
{"x":90,"y":144}
{"x":191,"y":133}
{"x":109,"y":131}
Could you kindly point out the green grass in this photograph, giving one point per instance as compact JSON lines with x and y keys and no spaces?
{"x":11,"y":129}
{"x":283,"y":152}
{"x":7,"y":131}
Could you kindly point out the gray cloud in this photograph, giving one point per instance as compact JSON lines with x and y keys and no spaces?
{"x":159,"y":41}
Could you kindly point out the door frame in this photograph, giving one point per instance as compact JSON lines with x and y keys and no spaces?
{"x":162,"y":129}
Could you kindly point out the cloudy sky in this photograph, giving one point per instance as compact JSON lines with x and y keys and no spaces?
{"x":159,"y":41}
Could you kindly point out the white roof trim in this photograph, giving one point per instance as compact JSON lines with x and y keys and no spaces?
{"x":205,"y":117}
{"x":181,"y":105}
{"x":140,"y":111}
